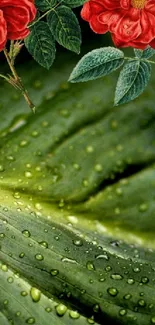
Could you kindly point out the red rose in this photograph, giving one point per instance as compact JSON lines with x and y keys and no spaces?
{"x":15,"y":15}
{"x":130,"y":22}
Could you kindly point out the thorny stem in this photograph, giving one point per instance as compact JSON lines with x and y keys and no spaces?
{"x":16,"y":81}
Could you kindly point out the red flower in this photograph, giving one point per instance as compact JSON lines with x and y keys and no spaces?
{"x":131,"y":22}
{"x":15,"y":15}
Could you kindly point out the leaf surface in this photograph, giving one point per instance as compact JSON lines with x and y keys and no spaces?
{"x":76,"y":180}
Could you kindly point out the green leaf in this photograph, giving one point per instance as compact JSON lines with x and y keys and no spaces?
{"x":65,"y":28}
{"x":76,"y":180}
{"x":132,"y":81}
{"x":41,"y":45}
{"x":96,"y":64}
{"x":146,"y":54}
{"x":44,"y":5}
{"x":74,"y":3}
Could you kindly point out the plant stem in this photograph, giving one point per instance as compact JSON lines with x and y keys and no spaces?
{"x":139,"y":59}
{"x":17,"y":81}
{"x":45,"y":14}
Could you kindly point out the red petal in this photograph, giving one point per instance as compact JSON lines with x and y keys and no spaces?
{"x":97,"y":26}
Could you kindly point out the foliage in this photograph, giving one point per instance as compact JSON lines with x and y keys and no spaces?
{"x":76,"y":189}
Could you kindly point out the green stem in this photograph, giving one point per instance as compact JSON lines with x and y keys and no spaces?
{"x":16,"y":81}
{"x":139,"y":59}
{"x":45,"y":14}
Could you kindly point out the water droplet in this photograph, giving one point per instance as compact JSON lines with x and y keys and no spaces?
{"x":116,"y":277}
{"x":90,"y":266}
{"x":77,"y":242}
{"x":74,"y":314}
{"x":23,"y":143}
{"x":102,"y":256}
{"x":16,"y":195}
{"x":98,"y":168}
{"x":30,"y":320}
{"x":24,"y":293}
{"x":5,"y":302}
{"x":35,"y":134}
{"x":10,"y":279}
{"x":112,"y":291}
{"x":127,"y":296}
{"x":26,"y":233}
{"x":76,"y":166}
{"x":143,"y":207}
{"x":130,"y":281}
{"x":119,"y":191}
{"x":91,"y":320}
{"x":39,"y":257}
{"x":122,"y":312}
{"x":18,"y":313}
{"x":108,"y":268}
{"x":89,"y":149}
{"x":117,"y":211}
{"x":142,"y":303}
{"x":68,"y":260}
{"x":2,"y":235}
{"x":85,"y":183}
{"x":22,"y":254}
{"x":48,"y":309}
{"x":35,"y":294}
{"x":144,"y":280}
{"x":54,"y":272}
{"x":1,"y":168}
{"x":136,"y":269}
{"x":4,"y":268}
{"x":44,"y":244}
{"x":28,"y":174}
{"x":61,"y":310}
{"x":96,"y":308}
{"x":10,"y":158}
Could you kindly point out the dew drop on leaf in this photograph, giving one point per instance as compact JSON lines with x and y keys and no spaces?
{"x":26,"y":233}
{"x":127,"y":296}
{"x":90,"y":266}
{"x":35,"y":294}
{"x":130,"y":281}
{"x":112,"y":292}
{"x":43,"y":244}
{"x":61,"y":310}
{"x":54,"y":272}
{"x":39,"y":257}
{"x":24,"y":293}
{"x":4,"y":268}
{"x":10,"y":279}
{"x":30,"y":320}
{"x":141,"y":303}
{"x":74,"y":314}
{"x":116,"y":277}
{"x":144,"y":280}
{"x":77,"y":242}
{"x":122,"y":312}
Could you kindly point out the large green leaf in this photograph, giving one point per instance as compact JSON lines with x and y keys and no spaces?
{"x":76,"y":189}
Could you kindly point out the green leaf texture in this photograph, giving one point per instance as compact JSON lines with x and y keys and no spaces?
{"x":132,"y":81}
{"x":65,"y":28}
{"x":41,"y":45}
{"x":76,"y":204}
{"x":96,"y":64}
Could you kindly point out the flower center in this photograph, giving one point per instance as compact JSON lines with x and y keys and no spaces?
{"x":139,"y":4}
